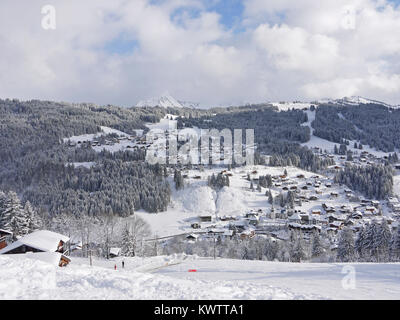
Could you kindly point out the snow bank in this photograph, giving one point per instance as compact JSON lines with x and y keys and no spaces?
{"x":24,"y":279}
{"x":167,"y":277}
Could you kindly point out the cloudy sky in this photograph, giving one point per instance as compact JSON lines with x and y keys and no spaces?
{"x":210,"y":51}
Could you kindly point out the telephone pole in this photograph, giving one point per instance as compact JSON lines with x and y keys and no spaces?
{"x":214,"y":243}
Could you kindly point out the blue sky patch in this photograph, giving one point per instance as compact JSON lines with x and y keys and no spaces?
{"x":121,"y":45}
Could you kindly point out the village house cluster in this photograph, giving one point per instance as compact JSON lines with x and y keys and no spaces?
{"x":319,"y":205}
{"x":111,"y":141}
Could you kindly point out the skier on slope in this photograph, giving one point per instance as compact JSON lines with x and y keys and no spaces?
{"x":123,"y":264}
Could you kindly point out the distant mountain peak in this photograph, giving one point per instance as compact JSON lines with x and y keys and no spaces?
{"x":356,"y":100}
{"x":166,"y":101}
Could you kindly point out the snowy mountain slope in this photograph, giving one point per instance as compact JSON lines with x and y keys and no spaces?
{"x":166,"y":101}
{"x":29,"y":279}
{"x":349,"y":101}
{"x":167,"y":277}
{"x":329,"y":145}
{"x":356,"y":100}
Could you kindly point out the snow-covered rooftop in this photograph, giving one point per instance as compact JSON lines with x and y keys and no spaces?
{"x":43,"y":240}
{"x":115,"y":251}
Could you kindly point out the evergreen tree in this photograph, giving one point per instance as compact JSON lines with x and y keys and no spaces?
{"x":349,"y":156}
{"x":374,"y":236}
{"x":384,"y":241}
{"x":290,"y":199}
{"x":178,"y":179}
{"x":342,"y":149}
{"x":3,"y":199}
{"x":346,"y":252}
{"x":317,"y":248}
{"x":268,"y":178}
{"x":33,"y":219}
{"x":360,"y":243}
{"x":281,"y":199}
{"x":368,"y":244}
{"x":395,"y":249}
{"x":128,"y":246}
{"x":13,"y":217}
{"x":299,"y":252}
{"x":270,"y":197}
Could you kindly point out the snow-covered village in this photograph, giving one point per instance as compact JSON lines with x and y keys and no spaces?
{"x":279,"y":215}
{"x":200,"y":151}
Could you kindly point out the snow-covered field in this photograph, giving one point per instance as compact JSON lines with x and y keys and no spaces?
{"x":169,"y":278}
{"x":90,"y":137}
{"x":284,"y":106}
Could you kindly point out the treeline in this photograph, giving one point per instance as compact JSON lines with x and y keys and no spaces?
{"x":298,"y":156}
{"x":374,"y":181}
{"x":376,"y":243}
{"x":276,"y":133}
{"x":295,"y":249}
{"x":371,"y":124}
{"x":268,"y":124}
{"x":101,"y":233}
{"x":218,"y":182}
{"x":112,"y":187}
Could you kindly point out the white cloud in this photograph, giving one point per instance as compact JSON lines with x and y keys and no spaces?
{"x":288,"y":50}
{"x":296,"y":49}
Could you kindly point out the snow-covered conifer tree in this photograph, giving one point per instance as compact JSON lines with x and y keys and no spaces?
{"x":317,"y":248}
{"x":395,"y":249}
{"x":299,"y":251}
{"x":13,"y":216}
{"x":128,"y":247}
{"x":346,"y":252}
{"x":360,"y":244}
{"x":384,"y":240}
{"x":33,"y":219}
